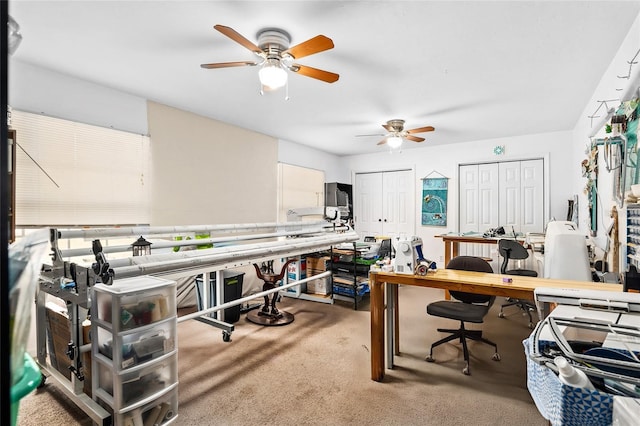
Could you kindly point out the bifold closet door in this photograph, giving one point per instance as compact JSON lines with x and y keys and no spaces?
{"x":478,"y":207}
{"x":397,"y":204}
{"x":522,"y":195}
{"x":384,"y":204}
{"x":367,"y":204}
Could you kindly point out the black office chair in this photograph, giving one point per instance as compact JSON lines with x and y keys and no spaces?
{"x":470,"y":308}
{"x":513,"y":250}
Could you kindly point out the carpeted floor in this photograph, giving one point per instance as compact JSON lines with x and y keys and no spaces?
{"x":316,"y":371}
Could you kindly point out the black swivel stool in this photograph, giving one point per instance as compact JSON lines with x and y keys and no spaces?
{"x":513,"y":250}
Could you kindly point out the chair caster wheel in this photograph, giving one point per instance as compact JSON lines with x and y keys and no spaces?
{"x":496,"y":357}
{"x":466,"y":371}
{"x":226,"y":337}
{"x":430,"y":359}
{"x":501,"y":315}
{"x":531,"y":325}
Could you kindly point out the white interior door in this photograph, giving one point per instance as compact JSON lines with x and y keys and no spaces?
{"x":488,"y":199}
{"x":522,"y":195}
{"x":468,"y":217}
{"x":384,"y":204}
{"x":398,"y":211}
{"x":478,"y":204}
{"x":510,"y":196}
{"x":367,"y":204}
{"x":532,"y":184}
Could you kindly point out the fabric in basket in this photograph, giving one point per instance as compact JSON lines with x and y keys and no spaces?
{"x":565,"y":405}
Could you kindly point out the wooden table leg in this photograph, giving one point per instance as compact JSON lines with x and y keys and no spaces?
{"x":377,"y":327}
{"x":452,"y":252}
{"x":447,"y":253}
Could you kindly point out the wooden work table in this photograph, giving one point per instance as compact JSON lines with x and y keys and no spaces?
{"x":472,"y":282}
{"x":452,"y":243}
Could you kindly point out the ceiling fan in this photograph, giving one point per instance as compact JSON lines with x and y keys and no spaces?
{"x":276,"y":56}
{"x":397,"y":133}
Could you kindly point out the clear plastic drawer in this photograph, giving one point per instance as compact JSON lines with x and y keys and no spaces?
{"x":137,"y":384}
{"x":161,"y":411}
{"x":137,"y":347}
{"x":133,"y":303}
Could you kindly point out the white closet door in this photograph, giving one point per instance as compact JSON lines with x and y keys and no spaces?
{"x":510,"y":195}
{"x":478,"y":204}
{"x":367,"y":204}
{"x":488,"y":199}
{"x":522,"y":195}
{"x":532,"y":184}
{"x":468,"y":193}
{"x":398,"y":193}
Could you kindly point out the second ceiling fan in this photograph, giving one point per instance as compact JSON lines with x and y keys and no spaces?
{"x":276,"y":56}
{"x":397,"y":133}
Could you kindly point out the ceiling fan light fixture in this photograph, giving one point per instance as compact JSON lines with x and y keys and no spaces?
{"x":272,"y":75}
{"x":15,"y":38}
{"x":394,"y":141}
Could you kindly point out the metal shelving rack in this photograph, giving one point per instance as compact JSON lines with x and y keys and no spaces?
{"x":633,"y":236}
{"x":355,"y":270}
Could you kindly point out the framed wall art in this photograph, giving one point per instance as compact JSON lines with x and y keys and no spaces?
{"x":434,"y":200}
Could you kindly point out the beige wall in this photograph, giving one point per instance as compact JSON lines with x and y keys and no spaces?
{"x":208,"y":172}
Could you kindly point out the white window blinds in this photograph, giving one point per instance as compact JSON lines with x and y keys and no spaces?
{"x":299,"y":187}
{"x":96,"y":176}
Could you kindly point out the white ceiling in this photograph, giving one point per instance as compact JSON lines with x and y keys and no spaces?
{"x":474,"y":70}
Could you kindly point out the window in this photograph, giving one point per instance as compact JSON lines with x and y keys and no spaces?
{"x":70,"y":173}
{"x":300,"y":189}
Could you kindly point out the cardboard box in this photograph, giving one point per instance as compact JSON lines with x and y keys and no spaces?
{"x":318,"y":263}
{"x":58,"y":338}
{"x":296,"y":271}
{"x":319,"y":285}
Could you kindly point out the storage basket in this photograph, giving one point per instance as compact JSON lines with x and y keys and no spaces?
{"x":562,"y":404}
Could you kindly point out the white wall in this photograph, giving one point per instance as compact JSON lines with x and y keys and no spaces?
{"x":304,"y":156}
{"x":555,"y":147}
{"x":41,"y":91}
{"x":610,"y":87}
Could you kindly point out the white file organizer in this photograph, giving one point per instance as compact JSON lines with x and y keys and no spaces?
{"x":610,"y":319}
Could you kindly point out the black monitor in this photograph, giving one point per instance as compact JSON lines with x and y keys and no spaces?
{"x":385,"y":248}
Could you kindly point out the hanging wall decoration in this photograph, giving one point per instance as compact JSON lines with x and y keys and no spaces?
{"x":590,"y":171}
{"x":434,"y":200}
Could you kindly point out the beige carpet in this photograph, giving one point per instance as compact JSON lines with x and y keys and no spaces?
{"x":316,"y":371}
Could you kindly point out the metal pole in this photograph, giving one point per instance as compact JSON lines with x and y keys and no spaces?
{"x":247,"y":298}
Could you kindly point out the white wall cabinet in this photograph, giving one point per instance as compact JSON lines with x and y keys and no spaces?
{"x":135,"y":351}
{"x":384,"y":203}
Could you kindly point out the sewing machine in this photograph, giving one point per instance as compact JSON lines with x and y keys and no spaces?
{"x":408,"y":256}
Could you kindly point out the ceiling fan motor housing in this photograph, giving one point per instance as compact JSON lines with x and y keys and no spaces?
{"x":397,"y":125}
{"x":273,"y":41}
